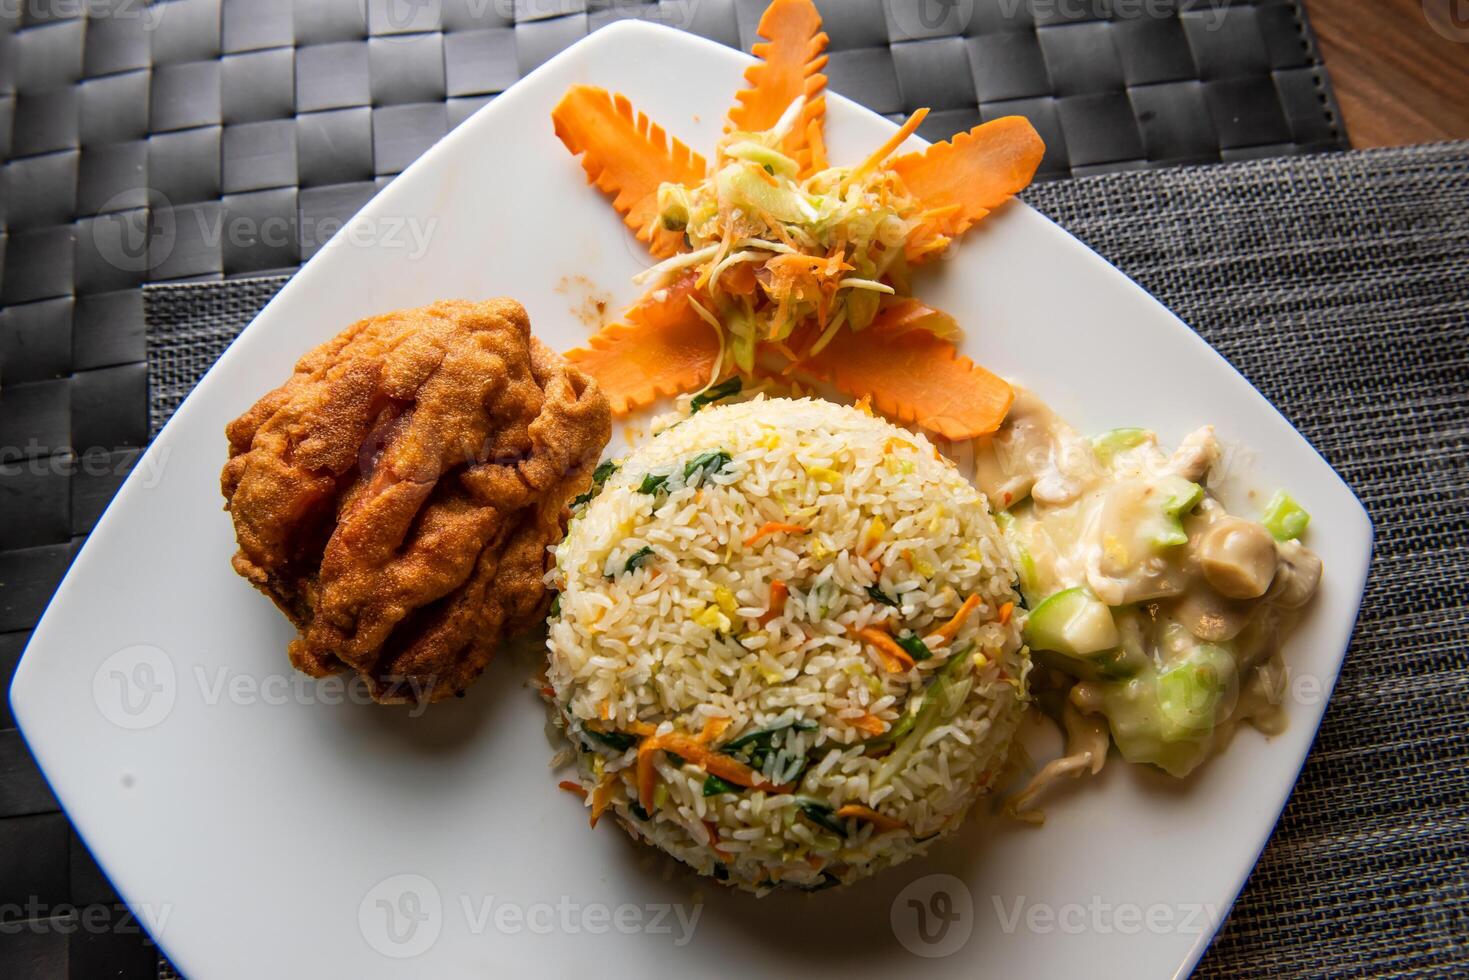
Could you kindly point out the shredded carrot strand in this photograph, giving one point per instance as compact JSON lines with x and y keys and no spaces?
{"x":951,"y":629}
{"x":773,"y":527}
{"x":572,"y":787}
{"x":869,"y":723}
{"x":879,"y":820}
{"x":1006,"y":611}
{"x":779,"y":592}
{"x":894,"y":141}
{"x":695,"y":749}
{"x":602,"y":797}
{"x":889,"y":651}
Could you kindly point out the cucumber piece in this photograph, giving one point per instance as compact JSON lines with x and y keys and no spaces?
{"x":1285,"y":519}
{"x":738,"y":186}
{"x":772,"y":161}
{"x":1073,"y":622}
{"x":1109,"y":665}
{"x":1166,"y":718}
{"x":1191,"y":690}
{"x":1178,"y":496}
{"x":1109,"y":444}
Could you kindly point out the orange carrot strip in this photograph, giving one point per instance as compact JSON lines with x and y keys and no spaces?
{"x":816,"y":140}
{"x":1006,"y":611}
{"x":888,"y":650}
{"x":914,"y":376}
{"x":879,"y":820}
{"x":869,"y":723}
{"x":647,"y":775}
{"x":664,"y":348}
{"x":951,"y":629}
{"x":773,"y":527}
{"x":572,"y":787}
{"x":779,"y":592}
{"x":790,"y":67}
{"x":893,"y":142}
{"x":979,"y":170}
{"x":626,"y":156}
{"x":602,"y":797}
{"x":739,"y":278}
{"x":713,"y":728}
{"x":641,"y":728}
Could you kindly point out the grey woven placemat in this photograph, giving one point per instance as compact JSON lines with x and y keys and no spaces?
{"x":1338,"y":285}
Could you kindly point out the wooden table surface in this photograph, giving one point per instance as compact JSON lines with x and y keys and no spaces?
{"x":1400,"y":67}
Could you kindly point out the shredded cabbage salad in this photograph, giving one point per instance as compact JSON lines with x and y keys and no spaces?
{"x":786,"y":261}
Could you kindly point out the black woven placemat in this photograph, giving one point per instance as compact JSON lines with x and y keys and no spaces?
{"x":1336,"y":284}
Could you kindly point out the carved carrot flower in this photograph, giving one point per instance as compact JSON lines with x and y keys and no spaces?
{"x":774,"y":262}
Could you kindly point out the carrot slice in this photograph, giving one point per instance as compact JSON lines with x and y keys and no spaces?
{"x":1006,"y":611}
{"x":626,"y":155}
{"x":692,"y":749}
{"x":978,"y":171}
{"x":951,"y":629}
{"x":779,"y":592}
{"x":913,"y":376}
{"x":790,"y":67}
{"x":893,"y":142}
{"x":572,"y":787}
{"x":893,"y":657}
{"x":664,"y":348}
{"x":869,"y":723}
{"x":879,"y":820}
{"x":773,"y":527}
{"x":602,"y":797}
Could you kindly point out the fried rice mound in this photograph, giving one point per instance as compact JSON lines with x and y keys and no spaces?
{"x":397,"y":495}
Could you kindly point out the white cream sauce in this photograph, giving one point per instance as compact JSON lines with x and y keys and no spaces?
{"x":1201,"y":599}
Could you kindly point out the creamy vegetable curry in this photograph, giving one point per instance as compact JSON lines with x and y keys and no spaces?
{"x":1159,"y":615}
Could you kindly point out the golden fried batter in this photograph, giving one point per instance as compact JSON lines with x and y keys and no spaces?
{"x":397,"y":495}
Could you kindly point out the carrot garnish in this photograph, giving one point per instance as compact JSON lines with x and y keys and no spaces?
{"x":978,"y":170}
{"x":894,"y":658}
{"x":602,"y":797}
{"x":664,"y":348}
{"x":816,"y":142}
{"x":773,"y":527}
{"x":572,"y":787}
{"x":779,"y":592}
{"x":627,"y":156}
{"x":694,"y":750}
{"x":951,"y":629}
{"x":1006,"y":611}
{"x":893,"y":142}
{"x":914,"y":376}
{"x":881,"y":821}
{"x":789,"y":68}
{"x":869,"y":723}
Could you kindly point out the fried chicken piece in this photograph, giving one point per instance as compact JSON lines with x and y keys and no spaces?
{"x":396,"y":497}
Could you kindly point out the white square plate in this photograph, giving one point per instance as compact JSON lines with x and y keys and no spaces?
{"x":259,"y":830}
